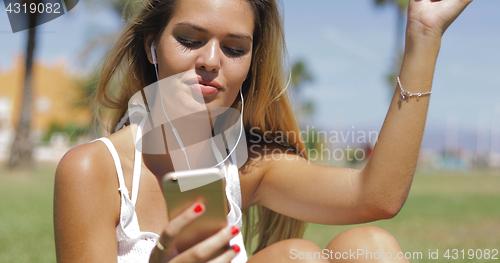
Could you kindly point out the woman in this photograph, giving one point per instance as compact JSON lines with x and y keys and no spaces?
{"x":237,"y":46}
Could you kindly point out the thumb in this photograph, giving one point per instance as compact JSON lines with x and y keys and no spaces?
{"x":456,"y":7}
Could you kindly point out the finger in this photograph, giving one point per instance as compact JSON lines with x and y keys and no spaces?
{"x":454,"y":4}
{"x":226,"y":256}
{"x":463,"y":4}
{"x":456,"y":7}
{"x":207,"y":248}
{"x":177,"y":224}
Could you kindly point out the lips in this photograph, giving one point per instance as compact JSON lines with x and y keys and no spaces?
{"x":204,"y":87}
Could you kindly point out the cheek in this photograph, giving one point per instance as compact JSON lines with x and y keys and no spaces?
{"x":239,"y":69}
{"x":176,"y":60}
{"x":237,"y":76}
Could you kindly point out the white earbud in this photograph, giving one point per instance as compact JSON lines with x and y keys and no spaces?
{"x":153,"y":53}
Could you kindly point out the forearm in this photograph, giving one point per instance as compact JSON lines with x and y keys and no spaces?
{"x":387,"y":177}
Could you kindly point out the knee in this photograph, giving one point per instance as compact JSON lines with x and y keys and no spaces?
{"x":364,"y":237}
{"x":370,"y":233}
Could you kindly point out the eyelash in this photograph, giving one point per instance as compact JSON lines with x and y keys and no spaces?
{"x":235,"y":52}
{"x":194,"y":44}
{"x":188,"y":43}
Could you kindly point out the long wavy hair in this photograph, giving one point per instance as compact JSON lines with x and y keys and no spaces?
{"x":266,"y":110}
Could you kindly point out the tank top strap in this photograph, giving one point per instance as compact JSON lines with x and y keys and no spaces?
{"x":234,"y":171}
{"x":136,"y":177}
{"x":122,"y":187}
{"x":235,"y":178}
{"x":234,"y":195}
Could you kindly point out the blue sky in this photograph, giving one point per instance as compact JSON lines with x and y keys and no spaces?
{"x":349,"y":47}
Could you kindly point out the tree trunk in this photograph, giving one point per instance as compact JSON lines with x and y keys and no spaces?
{"x":22,"y":148}
{"x":400,"y":37}
{"x":399,"y":47}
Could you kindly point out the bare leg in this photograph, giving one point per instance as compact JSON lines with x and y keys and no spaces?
{"x":373,"y":244}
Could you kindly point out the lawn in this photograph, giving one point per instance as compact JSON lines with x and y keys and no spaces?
{"x":444,"y":211}
{"x":26,"y":228}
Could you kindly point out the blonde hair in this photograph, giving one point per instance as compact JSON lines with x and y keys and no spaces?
{"x":266,"y":105}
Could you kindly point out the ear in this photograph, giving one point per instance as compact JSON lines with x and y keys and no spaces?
{"x":148,"y":40}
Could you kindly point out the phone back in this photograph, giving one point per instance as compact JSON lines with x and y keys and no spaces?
{"x":212,"y":195}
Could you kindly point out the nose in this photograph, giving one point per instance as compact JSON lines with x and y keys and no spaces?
{"x":209,"y":57}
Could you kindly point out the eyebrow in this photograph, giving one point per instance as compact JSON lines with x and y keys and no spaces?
{"x":203,"y":30}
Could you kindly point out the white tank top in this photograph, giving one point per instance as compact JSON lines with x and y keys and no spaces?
{"x":136,"y":246}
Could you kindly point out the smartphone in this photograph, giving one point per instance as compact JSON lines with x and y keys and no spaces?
{"x":213,"y":195}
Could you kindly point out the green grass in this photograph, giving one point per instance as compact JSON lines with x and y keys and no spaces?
{"x":26,"y":228}
{"x":444,"y":211}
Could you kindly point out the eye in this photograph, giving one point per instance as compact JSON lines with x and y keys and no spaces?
{"x":235,"y":52}
{"x":188,"y":43}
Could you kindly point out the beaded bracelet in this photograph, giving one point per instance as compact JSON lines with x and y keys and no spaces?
{"x":406,"y":95}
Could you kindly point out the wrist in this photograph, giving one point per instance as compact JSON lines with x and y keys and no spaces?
{"x":421,"y":43}
{"x":418,"y":33}
{"x":421,"y":28}
{"x":419,"y":61}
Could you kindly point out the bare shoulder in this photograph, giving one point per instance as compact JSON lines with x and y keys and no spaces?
{"x":89,"y":164}
{"x":86,"y":188}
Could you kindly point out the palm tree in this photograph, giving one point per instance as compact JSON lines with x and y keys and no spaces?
{"x":21,"y":154}
{"x":86,"y":100}
{"x":402,"y":6}
{"x":300,"y":75}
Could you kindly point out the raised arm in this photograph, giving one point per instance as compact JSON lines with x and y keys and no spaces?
{"x":332,"y":195}
{"x":387,"y":177}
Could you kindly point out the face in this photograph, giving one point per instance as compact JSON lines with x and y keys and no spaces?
{"x":207,"y":42}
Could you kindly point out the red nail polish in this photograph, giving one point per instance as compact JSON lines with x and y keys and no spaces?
{"x":198,"y":209}
{"x":236,"y":248}
{"x":234,"y":231}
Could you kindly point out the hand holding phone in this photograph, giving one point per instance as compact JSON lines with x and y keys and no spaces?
{"x":211,"y":193}
{"x":201,"y":252}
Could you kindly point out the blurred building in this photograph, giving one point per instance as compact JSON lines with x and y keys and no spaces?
{"x":55,"y":96}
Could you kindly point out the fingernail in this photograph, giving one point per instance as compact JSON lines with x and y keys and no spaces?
{"x":234,"y":231}
{"x":198,"y":209}
{"x":236,"y":248}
